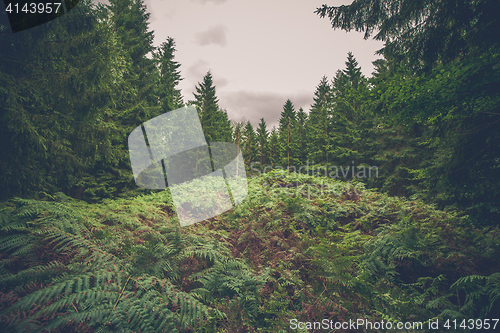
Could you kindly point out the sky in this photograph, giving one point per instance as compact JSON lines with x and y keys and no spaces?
{"x":260,"y":52}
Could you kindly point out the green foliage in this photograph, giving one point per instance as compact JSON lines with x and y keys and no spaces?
{"x":170,"y":96}
{"x":52,"y":107}
{"x":262,"y":137}
{"x":421,"y":33}
{"x":283,"y":253}
{"x":215,"y":123}
{"x":288,"y":139}
{"x":319,"y":141}
{"x":68,"y":271}
{"x":298,"y":247}
{"x":250,"y":142}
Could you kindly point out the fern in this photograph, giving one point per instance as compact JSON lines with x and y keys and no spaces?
{"x":482,"y":294}
{"x":95,"y":287}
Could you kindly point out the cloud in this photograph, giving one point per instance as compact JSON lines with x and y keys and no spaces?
{"x":197,"y":71}
{"x":251,"y":106}
{"x":213,"y":35}
{"x":216,"y":2}
{"x":220,"y":82}
{"x":194,"y":75}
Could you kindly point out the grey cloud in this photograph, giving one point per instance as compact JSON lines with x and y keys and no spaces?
{"x":196,"y":72}
{"x":220,"y":82}
{"x":251,"y":106}
{"x":216,"y":2}
{"x":213,"y":35}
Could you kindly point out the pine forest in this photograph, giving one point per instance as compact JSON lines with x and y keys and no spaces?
{"x":392,"y":218}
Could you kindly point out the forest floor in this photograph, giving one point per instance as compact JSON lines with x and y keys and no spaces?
{"x":290,"y":252}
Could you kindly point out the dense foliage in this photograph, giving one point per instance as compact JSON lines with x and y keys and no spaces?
{"x":313,"y":251}
{"x":82,"y":249}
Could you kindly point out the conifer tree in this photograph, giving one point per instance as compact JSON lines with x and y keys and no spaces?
{"x":215,"y":123}
{"x":249,"y":144}
{"x":318,"y":124}
{"x":168,"y":92}
{"x":287,"y":127}
{"x":224,"y":129}
{"x":440,"y":71}
{"x":302,"y":135}
{"x":139,"y":102}
{"x":56,"y":81}
{"x":422,"y":34}
{"x":352,"y":71}
{"x":347,"y":116}
{"x":262,"y":137}
{"x":237,"y":136}
{"x":274,"y":150}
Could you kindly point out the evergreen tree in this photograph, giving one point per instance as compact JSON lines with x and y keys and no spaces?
{"x":287,"y":127}
{"x":224,"y":129}
{"x":56,"y":81}
{"x":439,"y":72}
{"x":139,"y":102}
{"x":302,"y":135}
{"x":237,"y":136}
{"x":215,"y":123}
{"x":249,"y":144}
{"x":349,"y":90}
{"x":319,"y":123}
{"x":422,"y":33}
{"x":262,"y":137}
{"x":170,"y":96}
{"x":352,"y":71}
{"x":274,"y":150}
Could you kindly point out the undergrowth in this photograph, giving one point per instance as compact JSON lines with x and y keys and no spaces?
{"x":298,"y":247}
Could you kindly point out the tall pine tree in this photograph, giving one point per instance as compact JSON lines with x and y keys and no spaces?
{"x":169,"y":94}
{"x":56,"y":83}
{"x":138,"y":102}
{"x":249,"y":144}
{"x":288,"y":141}
{"x":301,"y":133}
{"x":262,"y":137}
{"x":319,"y":123}
{"x":215,"y":123}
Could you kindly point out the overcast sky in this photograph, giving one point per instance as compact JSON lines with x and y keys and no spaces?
{"x":260,"y":52}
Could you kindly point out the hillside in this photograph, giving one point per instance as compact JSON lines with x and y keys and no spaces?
{"x":287,"y":255}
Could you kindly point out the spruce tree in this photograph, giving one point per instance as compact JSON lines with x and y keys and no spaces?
{"x":349,"y":88}
{"x":319,"y":123}
{"x":422,"y":33}
{"x":139,"y":102}
{"x":301,"y":132}
{"x":169,"y":94}
{"x":237,"y":134}
{"x":287,"y":127}
{"x":262,"y":137}
{"x":224,"y":129}
{"x":215,"y":123}
{"x":56,"y":83}
{"x":249,"y":144}
{"x":274,"y":150}
{"x":352,"y":71}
